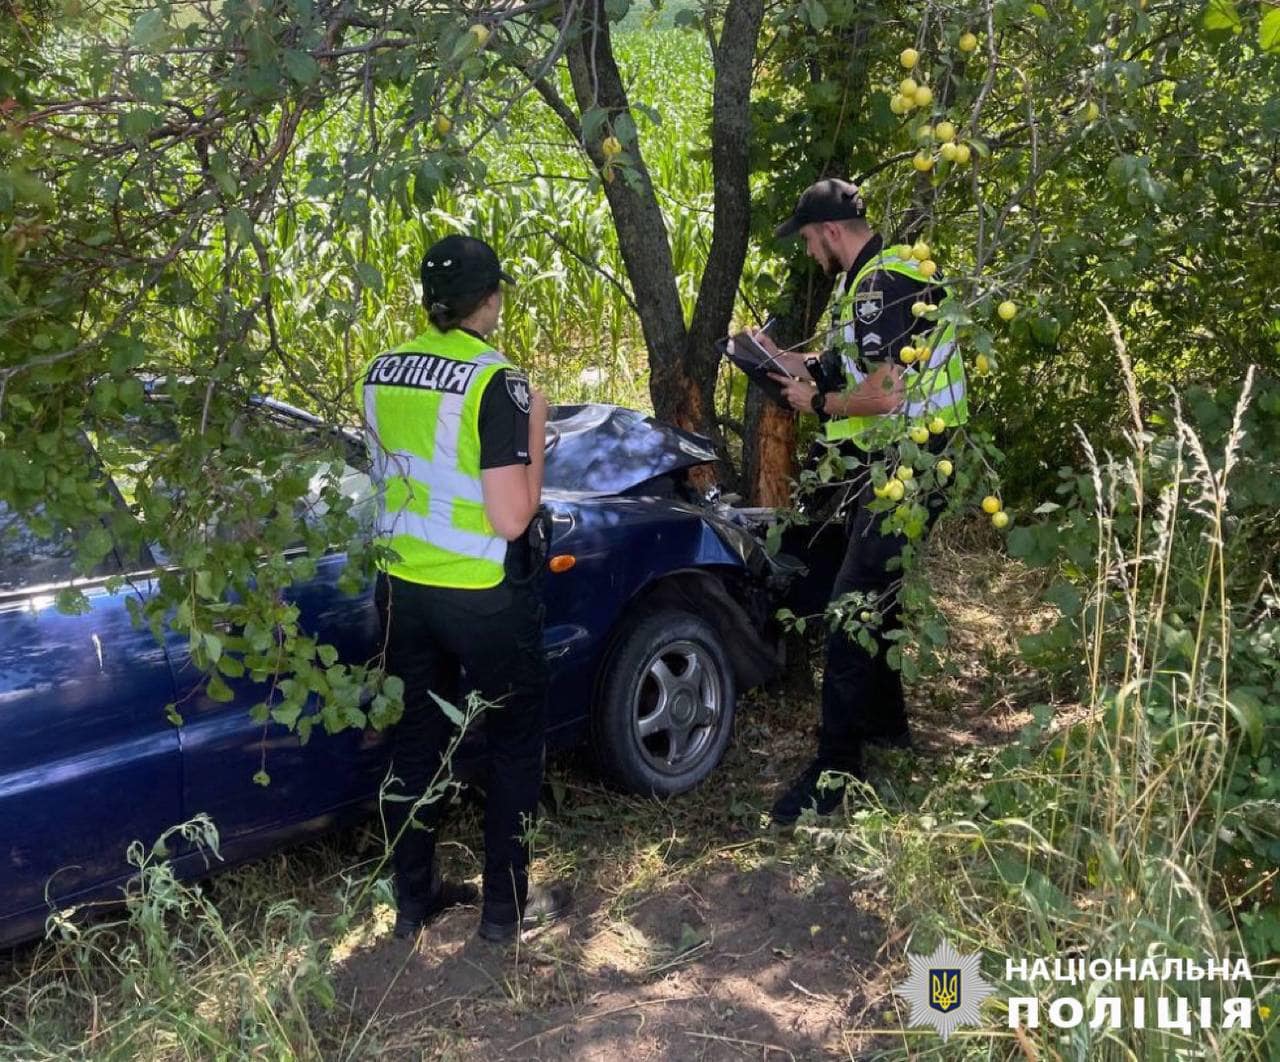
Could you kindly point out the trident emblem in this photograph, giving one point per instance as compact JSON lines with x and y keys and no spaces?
{"x":944,"y":989}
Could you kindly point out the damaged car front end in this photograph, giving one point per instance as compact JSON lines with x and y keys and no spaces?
{"x":675,"y":586}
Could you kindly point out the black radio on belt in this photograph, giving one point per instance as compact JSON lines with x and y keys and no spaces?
{"x":527,"y":555}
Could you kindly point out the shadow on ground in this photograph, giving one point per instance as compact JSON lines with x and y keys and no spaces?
{"x":705,"y":966}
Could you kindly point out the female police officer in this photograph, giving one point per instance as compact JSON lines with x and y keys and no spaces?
{"x":456,"y":436}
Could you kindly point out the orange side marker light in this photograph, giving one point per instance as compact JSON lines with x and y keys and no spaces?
{"x":562,"y":562}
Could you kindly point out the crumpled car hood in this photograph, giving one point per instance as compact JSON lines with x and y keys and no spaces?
{"x":601,"y":449}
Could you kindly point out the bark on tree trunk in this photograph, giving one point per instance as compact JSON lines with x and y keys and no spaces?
{"x":734,"y":61}
{"x":768,"y":451}
{"x":642,"y":232}
{"x":683,"y":361}
{"x":769,"y":441}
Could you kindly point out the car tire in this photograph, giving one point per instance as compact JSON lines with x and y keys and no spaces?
{"x":664,"y":714}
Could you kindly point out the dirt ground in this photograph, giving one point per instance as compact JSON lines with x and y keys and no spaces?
{"x":697,"y":933}
{"x":721,"y":964}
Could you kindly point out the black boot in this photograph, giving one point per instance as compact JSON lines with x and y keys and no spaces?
{"x":899,"y":739}
{"x":545,"y":904}
{"x":412,"y":915}
{"x":806,"y":791}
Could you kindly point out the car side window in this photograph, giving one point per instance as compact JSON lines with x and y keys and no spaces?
{"x":128,"y":450}
{"x":35,"y":551}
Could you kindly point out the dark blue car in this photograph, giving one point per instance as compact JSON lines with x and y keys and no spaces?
{"x":661,"y":616}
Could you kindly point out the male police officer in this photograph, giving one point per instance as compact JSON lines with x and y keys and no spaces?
{"x":457,"y":440}
{"x":883,"y":395}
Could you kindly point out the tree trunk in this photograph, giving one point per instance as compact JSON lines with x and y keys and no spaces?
{"x":769,"y":438}
{"x":637,"y":217}
{"x":768,"y":451}
{"x":683,"y":361}
{"x":734,"y":61}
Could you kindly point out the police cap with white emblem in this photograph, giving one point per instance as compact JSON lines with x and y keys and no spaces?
{"x":459,"y":266}
{"x":828,"y":200}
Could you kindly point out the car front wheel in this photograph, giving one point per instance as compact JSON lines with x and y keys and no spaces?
{"x":665,"y":712}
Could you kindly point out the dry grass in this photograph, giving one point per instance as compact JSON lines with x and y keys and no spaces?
{"x":697,"y":933}
{"x":989,"y":602}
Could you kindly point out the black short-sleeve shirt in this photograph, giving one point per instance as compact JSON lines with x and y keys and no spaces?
{"x":504,"y":420}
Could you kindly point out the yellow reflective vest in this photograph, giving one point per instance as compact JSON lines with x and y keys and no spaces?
{"x":422,"y":415}
{"x":933,"y":389}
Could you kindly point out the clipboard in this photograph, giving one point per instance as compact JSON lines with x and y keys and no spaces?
{"x":751,"y":358}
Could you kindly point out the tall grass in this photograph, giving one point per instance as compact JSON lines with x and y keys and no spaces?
{"x":1104,"y":842}
{"x":171,"y":978}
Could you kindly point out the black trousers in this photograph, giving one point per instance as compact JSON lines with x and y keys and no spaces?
{"x":432,"y":634}
{"x":861,"y":694}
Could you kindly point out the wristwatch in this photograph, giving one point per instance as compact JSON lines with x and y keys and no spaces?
{"x":818,"y":403}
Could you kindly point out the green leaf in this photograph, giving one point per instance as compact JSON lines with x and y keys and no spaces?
{"x":451,"y":713}
{"x":370,"y":276}
{"x":1066,"y":597}
{"x":213,"y":646}
{"x":302,"y":66}
{"x":72,"y":602}
{"x":652,"y":113}
{"x":1021,"y":542}
{"x":286,"y":714}
{"x":131,"y":392}
{"x":1269,"y":31}
{"x":427,"y":181}
{"x":97,"y":544}
{"x":1248,"y":712}
{"x":1222,"y":15}
{"x":150,"y":29}
{"x":463,"y":46}
{"x":220,"y":169}
{"x":1045,"y":330}
{"x":231,"y":667}
{"x":218,"y":690}
{"x":138,"y":123}
{"x":239,"y":225}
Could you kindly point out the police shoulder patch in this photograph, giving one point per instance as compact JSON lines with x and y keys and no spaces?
{"x":868,"y":305}
{"x":518,"y":389}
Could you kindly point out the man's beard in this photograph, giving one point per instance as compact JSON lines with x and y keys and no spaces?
{"x":830,"y":261}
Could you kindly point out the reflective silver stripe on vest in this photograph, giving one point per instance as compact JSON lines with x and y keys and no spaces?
{"x":920,"y":401}
{"x":446,"y":483}
{"x":923,"y":400}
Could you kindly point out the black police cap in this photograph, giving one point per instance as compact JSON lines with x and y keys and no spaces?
{"x":829,"y":200}
{"x":461,"y":265}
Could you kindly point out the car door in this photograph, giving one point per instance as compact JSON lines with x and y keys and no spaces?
{"x":225,"y":753}
{"x":88,"y":760}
